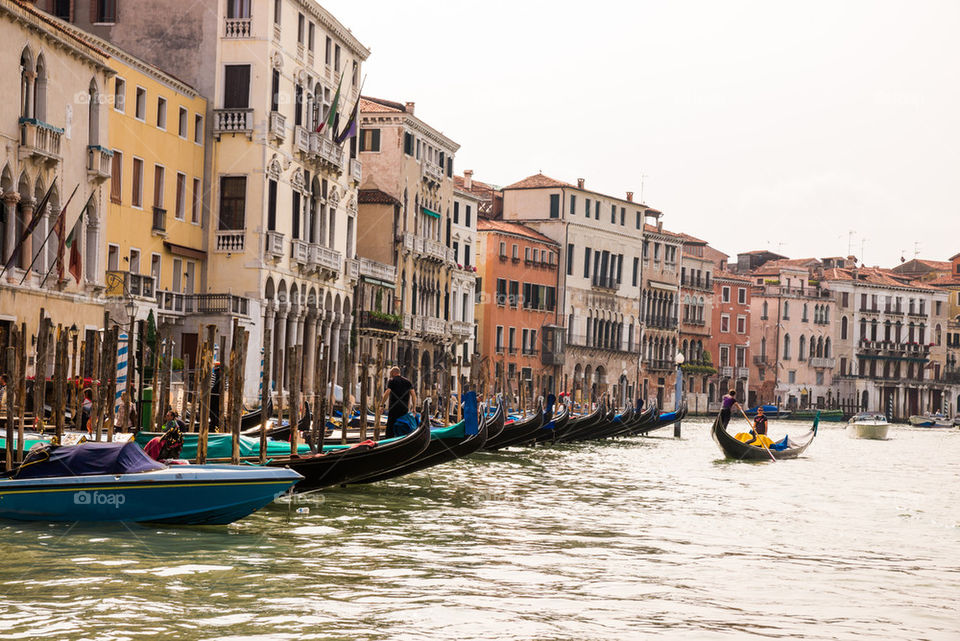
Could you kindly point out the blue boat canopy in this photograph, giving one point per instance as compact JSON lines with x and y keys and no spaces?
{"x":85,"y":459}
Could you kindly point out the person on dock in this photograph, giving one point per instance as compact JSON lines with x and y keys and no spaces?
{"x":729,"y":403}
{"x":171,"y":420}
{"x":399,"y":397}
{"x":4,"y":381}
{"x":86,"y":408}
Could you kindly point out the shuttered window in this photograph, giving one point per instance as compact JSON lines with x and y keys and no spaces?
{"x":236,"y":87}
{"x":116,"y":177}
{"x":233,"y":196}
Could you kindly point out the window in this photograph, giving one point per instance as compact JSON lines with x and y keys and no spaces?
{"x":569,"y":259}
{"x":276,"y":11}
{"x":336,"y":57}
{"x":586,"y":262}
{"x":182,"y":123}
{"x":105,"y":11}
{"x":503,"y":249}
{"x":408,"y":143}
{"x":613,"y":214}
{"x":271,"y":205}
{"x":786,"y":310}
{"x":161,"y":113}
{"x":765,"y":312}
{"x":554,"y":205}
{"x":636,"y":270}
{"x":233,"y":196}
{"x":295,"y":217}
{"x":310,"y":37}
{"x":456,"y":213}
{"x":512,"y":340}
{"x":61,"y":9}
{"x":466,"y":255}
{"x":141,"y":106}
{"x":301,"y":21}
{"x":467,"y":217}
{"x":116,"y":177}
{"x":499,"y":339}
{"x":328,"y":51}
{"x":724,"y":355}
{"x":526,"y":254}
{"x":844,"y":299}
{"x":134,"y":261}
{"x":741,"y":324}
{"x":786,"y":347}
{"x":639,"y":218}
{"x":792,"y":376}
{"x":586,"y":210}
{"x":236,"y":86}
{"x":181,"y":207}
{"x":725,"y":323}
{"x":596,"y":209}
{"x":119,"y":94}
{"x":158,"y":172}
{"x":136,"y":195}
{"x":623,"y":216}
{"x":514,"y":293}
{"x":501,"y":291}
{"x":196,"y":203}
{"x":198,"y":129}
{"x":155,"y":269}
{"x":113,"y":257}
{"x":370,"y":140}
{"x":725,"y":294}
{"x":516,"y":252}
{"x":238,"y":8}
{"x":741,"y":293}
{"x":573,"y":204}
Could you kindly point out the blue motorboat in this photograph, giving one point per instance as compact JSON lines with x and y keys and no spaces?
{"x":119,"y":482}
{"x":772,"y":411}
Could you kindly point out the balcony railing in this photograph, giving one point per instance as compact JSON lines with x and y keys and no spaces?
{"x":661,"y":322}
{"x":660,"y":365}
{"x":40,"y":139}
{"x":159,"y":220}
{"x":743,"y":372}
{"x":605,"y":282}
{"x":726,"y":371}
{"x":174,"y":302}
{"x":432,"y":171}
{"x":299,"y":251}
{"x":326,"y":151}
{"x":580,"y":340}
{"x":301,"y":139}
{"x":412,"y":323}
{"x":352,"y":268}
{"x":99,"y":163}
{"x":381,"y":322}
{"x":822,"y":362}
{"x":229,"y":242}
{"x":434,"y":326}
{"x":274,"y":244}
{"x":433,"y":249}
{"x":120,"y":284}
{"x":378,"y":270}
{"x":236,"y":28}
{"x":278,"y":125}
{"x":233,"y":121}
{"x":462,"y":328}
{"x":221,"y":304}
{"x":326,"y":259}
{"x":356,"y":170}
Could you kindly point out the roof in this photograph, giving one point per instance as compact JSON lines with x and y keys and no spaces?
{"x":379,"y":105}
{"x":653,"y":230}
{"x":76,"y":36}
{"x":774,"y":266}
{"x":375,"y":197}
{"x":760,"y":252}
{"x":477,"y":188}
{"x":691,"y":240}
{"x":944,"y":280}
{"x":871,"y":276}
{"x":730,"y":277}
{"x":538,"y":181}
{"x":507,"y":227}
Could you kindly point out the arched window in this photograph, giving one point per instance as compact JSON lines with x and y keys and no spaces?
{"x":826,"y":314}
{"x":786,"y":346}
{"x":937,"y":335}
{"x":27,"y":79}
{"x":801,"y":348}
{"x":820,"y":346}
{"x":765,"y":309}
{"x":763,"y":348}
{"x":40,"y":91}
{"x":786,"y":310}
{"x":826,"y":348}
{"x":843,"y":328}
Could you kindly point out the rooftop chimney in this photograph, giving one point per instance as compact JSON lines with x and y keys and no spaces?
{"x":467,"y":178}
{"x":630,"y":196}
{"x":659,"y":225}
{"x":409,"y":108}
{"x":580,"y":183}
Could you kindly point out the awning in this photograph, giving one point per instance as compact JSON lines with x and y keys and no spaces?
{"x":183,"y":250}
{"x":658,"y":285}
{"x":377,"y":281}
{"x":429,"y":212}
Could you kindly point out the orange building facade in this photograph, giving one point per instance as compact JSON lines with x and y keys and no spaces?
{"x":519,"y":334}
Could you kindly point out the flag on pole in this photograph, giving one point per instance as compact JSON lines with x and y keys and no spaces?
{"x":29,"y":228}
{"x":350,"y":129}
{"x":334,"y":116}
{"x":76,"y":262}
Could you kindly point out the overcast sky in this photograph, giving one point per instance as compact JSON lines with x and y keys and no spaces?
{"x":757,"y":124}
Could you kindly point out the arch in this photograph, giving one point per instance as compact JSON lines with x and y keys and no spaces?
{"x":40,"y":90}
{"x":766,"y":308}
{"x":786,"y":346}
{"x":801,"y":347}
{"x":786,"y":309}
{"x":26,"y":82}
{"x":843,"y":328}
{"x":826,"y":348}
{"x":269,"y":290}
{"x":91,"y":241}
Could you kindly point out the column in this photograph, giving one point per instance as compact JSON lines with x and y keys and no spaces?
{"x":290,"y":335}
{"x":10,"y":200}
{"x":279,"y":345}
{"x":49,"y":257}
{"x":269,"y":315}
{"x":310,"y":350}
{"x":26,"y":250}
{"x":344,"y":365}
{"x":334,"y":344}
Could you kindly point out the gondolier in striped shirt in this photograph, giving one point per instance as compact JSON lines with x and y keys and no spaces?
{"x":400,"y":397}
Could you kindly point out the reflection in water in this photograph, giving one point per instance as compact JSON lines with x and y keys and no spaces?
{"x":593,"y":541}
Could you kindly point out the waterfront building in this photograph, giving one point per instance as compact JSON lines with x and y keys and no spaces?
{"x":463,"y":279}
{"x":697,"y":303}
{"x":950,"y":283}
{"x":518,"y":313}
{"x":412,"y":163}
{"x":599,"y":280}
{"x":793,"y":336}
{"x":280,"y":202}
{"x":660,"y":308}
{"x":54,"y":139}
{"x":889,"y":357}
{"x":730,"y":339}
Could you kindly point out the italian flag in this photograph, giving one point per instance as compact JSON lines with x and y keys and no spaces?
{"x":76,"y":262}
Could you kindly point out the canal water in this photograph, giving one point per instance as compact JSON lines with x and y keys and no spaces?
{"x":639,"y":538}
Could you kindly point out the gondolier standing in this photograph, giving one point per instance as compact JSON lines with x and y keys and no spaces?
{"x":400,"y":397}
{"x":729,"y":401}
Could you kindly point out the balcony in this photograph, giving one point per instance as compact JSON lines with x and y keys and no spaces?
{"x":352,"y":267}
{"x":120,"y":284}
{"x":412,"y":323}
{"x":378,"y":271}
{"x":326,"y":151}
{"x":436,"y":250}
{"x":356,"y":170}
{"x":234,"y":28}
{"x":760,"y":360}
{"x":551,"y":358}
{"x":608,"y":283}
{"x":229,"y":242}
{"x":278,"y":125}
{"x":299,"y":251}
{"x":431,"y":172}
{"x":920,"y":313}
{"x":434,"y":327}
{"x":589,"y":342}
{"x":301,"y":140}
{"x":233,"y":121}
{"x":660,"y":366}
{"x":743,"y":372}
{"x":377,"y":321}
{"x":661,"y":322}
{"x":325,"y":259}
{"x":159,"y":221}
{"x":221,"y":304}
{"x":462,"y":328}
{"x":726,"y":371}
{"x":99,"y":163}
{"x":820,"y":362}
{"x":176,"y":303}
{"x":697,"y":322}
{"x":274,"y":244}
{"x":512,"y":351}
{"x":40,"y":140}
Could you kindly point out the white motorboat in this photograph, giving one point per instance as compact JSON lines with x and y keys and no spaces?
{"x":871,"y":425}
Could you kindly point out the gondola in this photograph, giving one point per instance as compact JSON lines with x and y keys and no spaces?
{"x":595,"y":430}
{"x":738,"y":450}
{"x":446,"y":444}
{"x":639,"y":421}
{"x":581,"y":425}
{"x":548,"y":433}
{"x":664,"y":419}
{"x":342,"y":465}
{"x":517,"y":432}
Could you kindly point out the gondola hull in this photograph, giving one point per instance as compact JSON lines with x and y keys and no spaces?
{"x":740,"y":451}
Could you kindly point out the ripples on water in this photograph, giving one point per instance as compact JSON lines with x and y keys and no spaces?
{"x":638,"y":538}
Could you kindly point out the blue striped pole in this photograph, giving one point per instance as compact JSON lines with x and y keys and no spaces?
{"x":123,"y":348}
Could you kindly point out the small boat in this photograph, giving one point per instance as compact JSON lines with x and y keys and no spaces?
{"x":119,"y":482}
{"x":772,"y":411}
{"x":738,"y":450}
{"x":832,"y":416}
{"x":869,"y":425}
{"x":664,"y":419}
{"x":930,"y":420}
